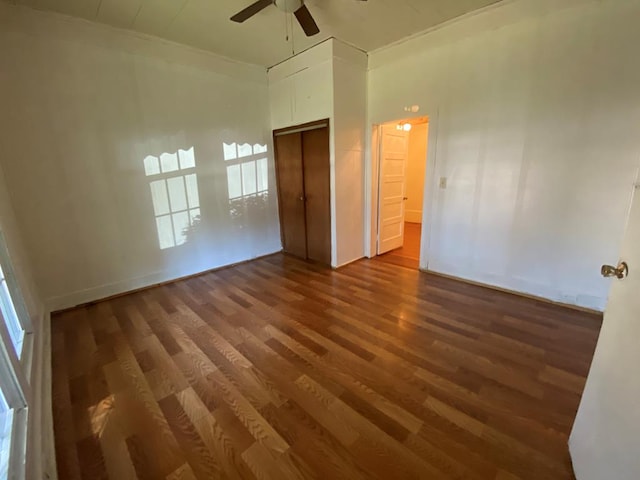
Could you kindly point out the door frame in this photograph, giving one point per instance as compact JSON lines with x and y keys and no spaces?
{"x":372,"y":189}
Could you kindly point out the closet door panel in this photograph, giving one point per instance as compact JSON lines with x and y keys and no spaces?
{"x":291,"y":193}
{"x":315,"y":155}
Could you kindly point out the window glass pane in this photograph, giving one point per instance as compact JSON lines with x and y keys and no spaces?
{"x":235,"y":181}
{"x":165,"y":232}
{"x":177,"y":194}
{"x":10,"y":315}
{"x":6,"y":424}
{"x":13,"y":411}
{"x":192,"y":190}
{"x":159,"y":197}
{"x":263,"y":174}
{"x":187,"y":158}
{"x":169,"y":162}
{"x":248,"y":178}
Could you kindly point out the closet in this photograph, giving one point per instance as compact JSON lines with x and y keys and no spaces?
{"x":302,"y":171}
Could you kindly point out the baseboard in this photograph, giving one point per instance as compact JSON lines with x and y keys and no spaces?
{"x":108,"y":292}
{"x":514,"y":292}
{"x":349,"y":262}
{"x":413,"y":216}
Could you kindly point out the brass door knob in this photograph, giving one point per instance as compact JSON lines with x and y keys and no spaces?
{"x":621,"y":271}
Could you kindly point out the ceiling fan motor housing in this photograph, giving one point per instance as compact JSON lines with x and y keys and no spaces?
{"x":289,"y":6}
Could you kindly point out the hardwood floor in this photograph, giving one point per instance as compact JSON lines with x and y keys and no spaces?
{"x":280,"y":369}
{"x":409,"y":254}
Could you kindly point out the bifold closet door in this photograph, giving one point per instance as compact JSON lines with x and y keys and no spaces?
{"x":317,"y":187}
{"x":291,"y":193}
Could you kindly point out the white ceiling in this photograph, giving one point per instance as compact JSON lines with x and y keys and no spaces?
{"x":262,"y":40}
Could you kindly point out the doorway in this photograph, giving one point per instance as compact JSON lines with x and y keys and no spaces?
{"x":402,"y":167}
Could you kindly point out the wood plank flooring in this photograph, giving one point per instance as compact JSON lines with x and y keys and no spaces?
{"x":280,"y":369}
{"x":409,"y":254}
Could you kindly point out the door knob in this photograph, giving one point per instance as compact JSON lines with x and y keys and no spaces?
{"x":621,"y":271}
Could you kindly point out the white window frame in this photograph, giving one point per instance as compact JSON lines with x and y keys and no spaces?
{"x":15,"y":368}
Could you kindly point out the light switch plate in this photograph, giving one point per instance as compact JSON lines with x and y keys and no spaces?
{"x":443,"y":182}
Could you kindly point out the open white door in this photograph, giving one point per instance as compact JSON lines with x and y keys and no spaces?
{"x":605,"y":441}
{"x":394,"y":151}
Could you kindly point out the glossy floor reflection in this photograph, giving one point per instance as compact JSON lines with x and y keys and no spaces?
{"x":279,"y":369}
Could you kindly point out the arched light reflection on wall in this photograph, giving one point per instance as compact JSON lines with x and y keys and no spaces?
{"x":247,"y":169}
{"x":174,"y":191}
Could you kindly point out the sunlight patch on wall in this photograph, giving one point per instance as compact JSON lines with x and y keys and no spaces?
{"x":174,"y":191}
{"x":247,"y":169}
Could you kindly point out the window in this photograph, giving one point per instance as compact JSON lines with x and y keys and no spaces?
{"x":247,"y":170}
{"x":15,"y":353}
{"x":6,"y":421}
{"x":174,"y":192}
{"x":10,"y":316}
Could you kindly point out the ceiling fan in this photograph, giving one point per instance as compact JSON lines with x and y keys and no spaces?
{"x":297,"y":7}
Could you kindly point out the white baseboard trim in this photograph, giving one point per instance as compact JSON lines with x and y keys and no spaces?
{"x":344,"y":264}
{"x":592,"y":307}
{"x":413,"y":216}
{"x":93,"y":294}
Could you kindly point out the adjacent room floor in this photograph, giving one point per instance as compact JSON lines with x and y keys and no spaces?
{"x":282,"y":369}
{"x":409,"y":254}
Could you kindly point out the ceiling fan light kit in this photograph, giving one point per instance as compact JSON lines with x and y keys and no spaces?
{"x":289,"y":6}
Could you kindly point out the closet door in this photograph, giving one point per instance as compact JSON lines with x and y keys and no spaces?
{"x":291,"y":193}
{"x":315,"y":157}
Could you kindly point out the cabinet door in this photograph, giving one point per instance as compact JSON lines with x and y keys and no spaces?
{"x":291,"y":193}
{"x":315,"y":155}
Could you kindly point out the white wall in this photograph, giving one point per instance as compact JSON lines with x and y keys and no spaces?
{"x":416,"y":171}
{"x":350,"y":114}
{"x":329,"y":81}
{"x":534,"y":111}
{"x":83,"y":106}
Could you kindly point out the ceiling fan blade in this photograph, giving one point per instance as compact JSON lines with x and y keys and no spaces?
{"x":251,"y":10}
{"x":306,"y":21}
